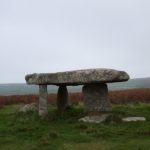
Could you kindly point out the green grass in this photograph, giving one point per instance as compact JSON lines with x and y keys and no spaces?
{"x":26,"y":131}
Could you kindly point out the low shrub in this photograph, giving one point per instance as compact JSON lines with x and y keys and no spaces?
{"x":116,"y":97}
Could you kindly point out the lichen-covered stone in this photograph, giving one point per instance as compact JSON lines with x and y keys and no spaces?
{"x":78,"y":77}
{"x":96,"y":98}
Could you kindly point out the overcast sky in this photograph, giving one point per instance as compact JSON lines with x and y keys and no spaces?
{"x":59,"y":35}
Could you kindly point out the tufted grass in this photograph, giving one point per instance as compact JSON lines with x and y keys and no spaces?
{"x":26,"y":131}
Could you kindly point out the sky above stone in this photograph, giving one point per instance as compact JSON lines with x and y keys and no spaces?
{"x":58,"y":35}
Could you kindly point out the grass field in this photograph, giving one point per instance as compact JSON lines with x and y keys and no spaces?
{"x":26,"y":131}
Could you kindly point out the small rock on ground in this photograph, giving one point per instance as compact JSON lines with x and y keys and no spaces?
{"x":129,"y":119}
{"x":95,"y":119}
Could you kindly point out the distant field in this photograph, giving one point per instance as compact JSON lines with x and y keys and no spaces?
{"x":20,"y":89}
{"x":133,"y":91}
{"x":116,"y":97}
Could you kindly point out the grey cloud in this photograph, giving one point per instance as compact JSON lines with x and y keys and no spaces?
{"x":50,"y":36}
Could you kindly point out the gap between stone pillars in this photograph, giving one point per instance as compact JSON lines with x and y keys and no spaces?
{"x":43,"y":101}
{"x":96,"y":99}
{"x":62,"y":98}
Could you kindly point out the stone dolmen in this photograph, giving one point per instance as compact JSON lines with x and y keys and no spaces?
{"x":95,"y":91}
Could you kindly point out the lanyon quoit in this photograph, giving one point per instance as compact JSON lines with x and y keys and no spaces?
{"x":95,"y":91}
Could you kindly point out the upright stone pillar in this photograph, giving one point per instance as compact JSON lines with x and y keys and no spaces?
{"x":62,"y":98}
{"x":96,"y":98}
{"x":43,"y":98}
